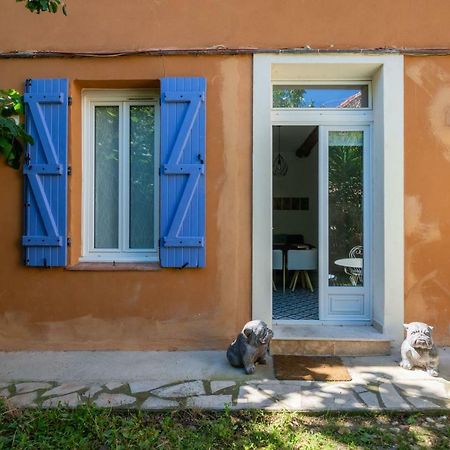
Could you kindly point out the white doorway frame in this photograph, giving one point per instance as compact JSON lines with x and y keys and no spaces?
{"x":386,"y":75}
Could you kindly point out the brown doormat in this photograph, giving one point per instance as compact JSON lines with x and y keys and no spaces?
{"x":310,"y":368}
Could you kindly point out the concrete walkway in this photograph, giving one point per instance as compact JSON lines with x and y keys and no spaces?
{"x":167,"y":380}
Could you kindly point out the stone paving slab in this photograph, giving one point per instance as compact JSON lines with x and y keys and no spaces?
{"x":371,"y":400}
{"x":158,"y":404}
{"x":95,"y":389}
{"x":114,"y":400}
{"x":144,"y":386}
{"x":209,"y":401}
{"x":391,"y":398}
{"x":66,"y":388}
{"x":23,"y":400}
{"x":181,"y":390}
{"x":69,"y":401}
{"x":220,"y":385}
{"x":23,"y":388}
{"x":113,"y":385}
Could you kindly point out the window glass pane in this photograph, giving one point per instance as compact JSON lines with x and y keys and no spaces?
{"x":106,"y":233}
{"x":142,"y":180}
{"x":345,"y":207}
{"x":310,"y":96}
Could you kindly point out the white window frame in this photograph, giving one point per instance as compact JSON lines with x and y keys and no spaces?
{"x":123,"y":98}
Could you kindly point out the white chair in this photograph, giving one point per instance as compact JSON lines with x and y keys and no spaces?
{"x":301,"y":261}
{"x":277,"y":264}
{"x":355,"y":273}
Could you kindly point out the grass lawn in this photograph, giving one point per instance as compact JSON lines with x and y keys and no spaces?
{"x":90,"y":428}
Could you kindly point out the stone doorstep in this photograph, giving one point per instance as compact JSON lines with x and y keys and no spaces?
{"x":330,"y":347}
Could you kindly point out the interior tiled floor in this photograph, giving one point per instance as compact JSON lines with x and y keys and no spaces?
{"x":302,"y":304}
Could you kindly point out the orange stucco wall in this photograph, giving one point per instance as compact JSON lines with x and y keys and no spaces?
{"x":168,"y":309}
{"x":163,"y":309}
{"x":123,"y":25}
{"x":427,"y":199}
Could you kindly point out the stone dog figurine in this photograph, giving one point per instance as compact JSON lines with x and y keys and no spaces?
{"x":251,"y":346}
{"x":418,"y":349}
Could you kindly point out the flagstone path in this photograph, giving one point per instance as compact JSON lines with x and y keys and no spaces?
{"x":217,"y":394}
{"x":204,"y":380}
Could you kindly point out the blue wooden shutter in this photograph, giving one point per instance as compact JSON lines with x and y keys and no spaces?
{"x":182,"y":200}
{"x":45,"y":173}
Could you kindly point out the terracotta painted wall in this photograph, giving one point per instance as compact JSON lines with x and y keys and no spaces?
{"x":57,"y":309}
{"x":165,"y":309}
{"x":118,"y":24}
{"x":427,"y":193}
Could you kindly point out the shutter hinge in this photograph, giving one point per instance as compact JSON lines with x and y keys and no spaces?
{"x":69,"y":170}
{"x":69,"y":100}
{"x":159,"y":171}
{"x":69,"y":242}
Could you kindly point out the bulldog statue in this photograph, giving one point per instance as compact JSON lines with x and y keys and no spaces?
{"x":251,"y":346}
{"x":418,"y":349}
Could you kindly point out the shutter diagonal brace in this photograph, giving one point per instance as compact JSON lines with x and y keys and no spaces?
{"x":52,"y":237}
{"x":44,"y":134}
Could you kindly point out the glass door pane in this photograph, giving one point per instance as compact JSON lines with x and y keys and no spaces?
{"x":345,"y":208}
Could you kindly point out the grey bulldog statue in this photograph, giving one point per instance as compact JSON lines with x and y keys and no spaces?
{"x":251,"y":346}
{"x":418,"y":349}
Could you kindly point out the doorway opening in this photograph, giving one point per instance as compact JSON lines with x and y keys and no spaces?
{"x":295,"y":223}
{"x":383,"y":134}
{"x":320,"y":222}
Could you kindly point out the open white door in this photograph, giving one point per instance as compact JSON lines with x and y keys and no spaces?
{"x":344,"y":223}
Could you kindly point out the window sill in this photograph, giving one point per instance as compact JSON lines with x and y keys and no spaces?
{"x":114,"y":267}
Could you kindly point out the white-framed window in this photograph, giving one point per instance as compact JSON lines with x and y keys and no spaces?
{"x":120,"y":175}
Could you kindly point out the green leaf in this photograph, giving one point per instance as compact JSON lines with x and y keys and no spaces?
{"x":5,"y":144}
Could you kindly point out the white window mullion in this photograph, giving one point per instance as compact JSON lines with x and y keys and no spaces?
{"x":91,"y":179}
{"x":126,"y":177}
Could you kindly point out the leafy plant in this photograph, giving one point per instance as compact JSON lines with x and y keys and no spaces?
{"x":12,"y":133}
{"x":50,"y":6}
{"x":288,"y":97}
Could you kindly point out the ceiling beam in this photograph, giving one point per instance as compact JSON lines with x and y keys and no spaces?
{"x":310,"y":142}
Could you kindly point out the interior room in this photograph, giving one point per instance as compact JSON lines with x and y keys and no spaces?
{"x":295,"y":223}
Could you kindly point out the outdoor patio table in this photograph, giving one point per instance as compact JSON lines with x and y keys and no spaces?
{"x":352,"y":263}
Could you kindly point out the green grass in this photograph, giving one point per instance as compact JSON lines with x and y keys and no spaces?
{"x":90,"y":428}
